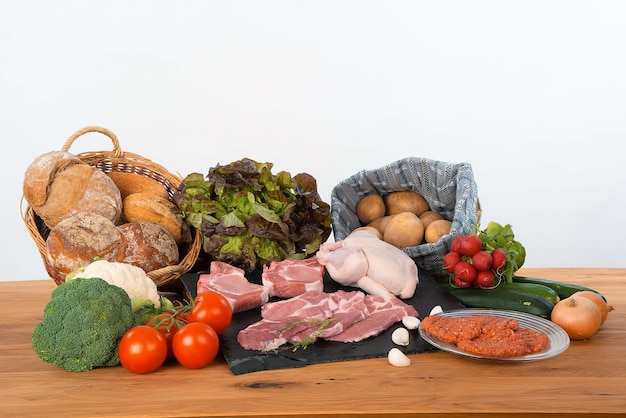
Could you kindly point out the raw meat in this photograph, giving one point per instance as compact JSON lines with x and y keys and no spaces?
{"x":351,"y":308}
{"x":301,"y":307}
{"x":340,"y":316}
{"x":347,"y":308}
{"x":289,"y":278}
{"x":231,"y":283}
{"x":486,"y":335}
{"x":365,"y":261}
{"x":383,"y":313}
{"x":292,"y":319}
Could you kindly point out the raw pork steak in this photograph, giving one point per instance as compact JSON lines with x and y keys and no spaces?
{"x":289,"y":278}
{"x":382,"y":314}
{"x":231,"y":283}
{"x":282,"y":321}
{"x":340,"y":316}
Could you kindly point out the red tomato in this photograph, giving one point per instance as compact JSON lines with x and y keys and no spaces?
{"x":142,"y":349}
{"x":183,"y":316}
{"x":167,"y":324}
{"x":195,"y":345}
{"x":212,"y":309}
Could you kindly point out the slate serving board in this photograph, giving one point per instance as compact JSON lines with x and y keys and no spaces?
{"x":428,"y":294}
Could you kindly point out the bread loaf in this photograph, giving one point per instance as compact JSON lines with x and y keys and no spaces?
{"x":129,"y":183}
{"x":58,"y":185}
{"x":80,"y":238}
{"x":146,"y":207}
{"x":40,"y":173}
{"x":148,"y":246}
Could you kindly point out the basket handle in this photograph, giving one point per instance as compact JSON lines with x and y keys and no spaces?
{"x":117,"y":151}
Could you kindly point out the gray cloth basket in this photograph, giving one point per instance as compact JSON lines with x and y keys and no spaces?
{"x":448,"y":188}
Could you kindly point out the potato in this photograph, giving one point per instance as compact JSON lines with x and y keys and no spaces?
{"x":436,"y":230}
{"x":369,"y":208}
{"x":429,"y":216}
{"x":381,"y":223}
{"x":404,"y":230}
{"x":370,"y":229}
{"x":405,"y":201}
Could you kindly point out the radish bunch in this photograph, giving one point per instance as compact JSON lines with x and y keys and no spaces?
{"x":471,"y":264}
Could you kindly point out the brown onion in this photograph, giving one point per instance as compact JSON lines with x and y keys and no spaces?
{"x":604,"y":307}
{"x":578,"y":316}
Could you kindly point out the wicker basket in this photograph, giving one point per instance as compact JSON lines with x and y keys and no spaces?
{"x":449,"y":188}
{"x":118,"y":161}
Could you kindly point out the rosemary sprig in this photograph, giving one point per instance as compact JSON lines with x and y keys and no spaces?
{"x":322,"y":324}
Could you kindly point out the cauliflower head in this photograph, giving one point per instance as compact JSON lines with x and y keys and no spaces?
{"x":132,"y":279}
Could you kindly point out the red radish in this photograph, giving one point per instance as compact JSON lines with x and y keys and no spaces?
{"x":482,"y":261}
{"x":450,"y":260}
{"x":470,"y":245}
{"x":456,"y":244}
{"x":484,"y":278}
{"x":465,"y":271}
{"x":461,"y":284}
{"x":498,"y":259}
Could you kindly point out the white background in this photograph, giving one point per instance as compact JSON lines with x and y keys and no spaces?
{"x":532,"y":93}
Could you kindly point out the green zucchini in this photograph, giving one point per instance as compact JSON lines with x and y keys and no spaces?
{"x":545,"y":292}
{"x":564,"y":290}
{"x":507,"y":299}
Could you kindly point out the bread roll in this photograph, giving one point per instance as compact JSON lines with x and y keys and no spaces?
{"x":130,"y":183}
{"x":80,"y":238}
{"x":146,"y":207}
{"x":58,"y":185}
{"x":148,"y":246}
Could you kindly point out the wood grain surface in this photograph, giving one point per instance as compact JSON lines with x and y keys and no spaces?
{"x":589,"y":378}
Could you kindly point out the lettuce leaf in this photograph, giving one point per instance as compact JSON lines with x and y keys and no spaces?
{"x":250,"y":216}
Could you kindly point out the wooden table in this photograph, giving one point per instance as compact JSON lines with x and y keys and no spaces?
{"x":588,"y":378}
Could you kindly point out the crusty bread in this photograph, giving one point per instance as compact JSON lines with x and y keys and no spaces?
{"x":77,"y":240}
{"x":148,"y":246}
{"x":130,"y":183}
{"x":146,"y":207}
{"x":58,"y":185}
{"x":40,"y":173}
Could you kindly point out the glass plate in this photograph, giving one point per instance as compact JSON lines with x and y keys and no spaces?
{"x":558,"y":338}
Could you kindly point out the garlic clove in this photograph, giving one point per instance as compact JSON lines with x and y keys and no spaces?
{"x":411,"y":322}
{"x":397,"y":358}
{"x":436,"y":310}
{"x":400,"y":336}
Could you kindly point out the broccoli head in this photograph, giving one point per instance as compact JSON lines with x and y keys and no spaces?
{"x":83,"y":324}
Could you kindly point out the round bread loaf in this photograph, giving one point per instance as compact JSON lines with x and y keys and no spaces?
{"x":80,"y":238}
{"x":40,"y":173}
{"x":148,"y":246}
{"x":129,"y":183}
{"x":147,"y":207}
{"x":58,"y":185}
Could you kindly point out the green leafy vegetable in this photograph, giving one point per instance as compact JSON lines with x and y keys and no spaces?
{"x":250,"y":216}
{"x":498,"y":236}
